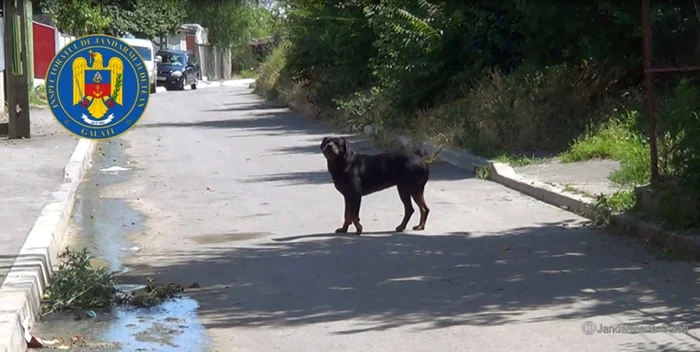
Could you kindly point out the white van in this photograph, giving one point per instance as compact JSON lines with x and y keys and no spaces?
{"x":147,"y":51}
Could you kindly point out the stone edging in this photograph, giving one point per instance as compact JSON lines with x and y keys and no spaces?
{"x":24,"y":286}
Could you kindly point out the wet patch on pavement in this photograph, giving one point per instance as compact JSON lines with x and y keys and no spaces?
{"x":170,"y":326}
{"x":229,"y":237}
{"x":103,"y":224}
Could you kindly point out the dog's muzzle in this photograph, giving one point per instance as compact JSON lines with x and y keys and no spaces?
{"x":331,"y":149}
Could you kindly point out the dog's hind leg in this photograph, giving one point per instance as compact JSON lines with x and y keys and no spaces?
{"x":422,"y":207}
{"x":407,"y":207}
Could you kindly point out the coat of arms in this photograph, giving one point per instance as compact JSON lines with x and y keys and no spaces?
{"x":97,"y":88}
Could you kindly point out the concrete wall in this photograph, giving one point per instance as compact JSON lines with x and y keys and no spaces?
{"x":176,"y":42}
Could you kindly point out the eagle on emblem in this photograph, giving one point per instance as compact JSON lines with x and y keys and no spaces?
{"x":97,"y":88}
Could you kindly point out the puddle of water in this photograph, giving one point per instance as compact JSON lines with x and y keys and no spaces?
{"x":104,"y":224}
{"x":114,"y":169}
{"x":228,"y":237}
{"x":171,"y":326}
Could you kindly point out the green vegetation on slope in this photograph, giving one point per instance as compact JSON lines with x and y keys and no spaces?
{"x":616,"y":139}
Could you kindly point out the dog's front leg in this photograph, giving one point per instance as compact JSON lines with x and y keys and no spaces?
{"x":355,"y":212}
{"x":348,"y":218}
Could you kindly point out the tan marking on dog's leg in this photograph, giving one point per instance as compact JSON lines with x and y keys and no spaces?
{"x":424,"y":211}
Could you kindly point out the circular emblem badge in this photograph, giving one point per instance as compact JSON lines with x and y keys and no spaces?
{"x":97,"y":87}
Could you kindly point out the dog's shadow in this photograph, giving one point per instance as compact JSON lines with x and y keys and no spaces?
{"x":350,"y":234}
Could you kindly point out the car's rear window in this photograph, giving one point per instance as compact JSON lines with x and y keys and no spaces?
{"x":172,"y":59}
{"x":145,"y":53}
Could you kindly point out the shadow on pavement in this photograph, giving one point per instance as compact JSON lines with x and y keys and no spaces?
{"x":280,"y":121}
{"x":388,"y":280}
{"x":244,"y":107}
{"x":287,"y":122}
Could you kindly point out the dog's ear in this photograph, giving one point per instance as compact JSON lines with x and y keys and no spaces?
{"x":345,"y":148}
{"x":325,"y":141}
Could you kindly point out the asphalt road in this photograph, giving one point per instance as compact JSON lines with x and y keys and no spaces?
{"x":235,"y":197}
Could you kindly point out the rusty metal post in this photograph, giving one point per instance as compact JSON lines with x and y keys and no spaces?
{"x":650,"y":96}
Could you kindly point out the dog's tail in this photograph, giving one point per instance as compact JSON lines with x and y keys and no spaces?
{"x":429,"y":158}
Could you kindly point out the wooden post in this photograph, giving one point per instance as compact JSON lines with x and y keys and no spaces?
{"x":16,"y":69}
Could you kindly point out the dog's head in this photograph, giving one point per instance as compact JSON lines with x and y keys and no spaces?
{"x":335,"y":148}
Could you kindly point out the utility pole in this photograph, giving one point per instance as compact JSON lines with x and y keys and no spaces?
{"x":16,"y":68}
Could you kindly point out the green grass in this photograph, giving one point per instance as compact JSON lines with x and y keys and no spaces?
{"x":248,"y":74}
{"x":37,"y":96}
{"x":574,"y":190}
{"x":482,"y":172}
{"x":607,"y":206}
{"x":616,"y":140}
{"x":518,"y":160}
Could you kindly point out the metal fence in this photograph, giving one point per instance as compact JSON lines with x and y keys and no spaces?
{"x":650,"y":71}
{"x":215,"y":62}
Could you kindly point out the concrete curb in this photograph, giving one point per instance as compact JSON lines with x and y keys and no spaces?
{"x":550,"y":194}
{"x":686,"y":247}
{"x":21,"y":293}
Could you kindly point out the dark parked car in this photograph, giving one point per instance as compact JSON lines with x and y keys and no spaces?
{"x":178,"y":69}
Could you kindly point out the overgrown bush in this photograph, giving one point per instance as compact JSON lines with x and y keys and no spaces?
{"x":537,"y":109}
{"x":513,"y":76}
{"x":243,"y":59}
{"x":270,"y":77}
{"x":77,"y":284}
{"x":509,"y":77}
{"x":679,"y":121}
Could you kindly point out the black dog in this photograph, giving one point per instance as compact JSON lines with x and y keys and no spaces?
{"x":356,"y":175}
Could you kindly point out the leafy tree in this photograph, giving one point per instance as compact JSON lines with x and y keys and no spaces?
{"x":142,"y":18}
{"x":76,"y":17}
{"x":332,"y":44}
{"x":146,"y":18}
{"x":231,"y":22}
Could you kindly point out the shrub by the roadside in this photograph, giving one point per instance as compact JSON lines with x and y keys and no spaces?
{"x":37,"y":96}
{"x":536,"y":109}
{"x":268,"y":81}
{"x":78,"y":284}
{"x":679,"y":156}
{"x":275,"y":83}
{"x":679,"y":122}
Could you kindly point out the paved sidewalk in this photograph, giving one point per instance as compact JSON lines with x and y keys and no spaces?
{"x":588,"y":177}
{"x":31,"y":170}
